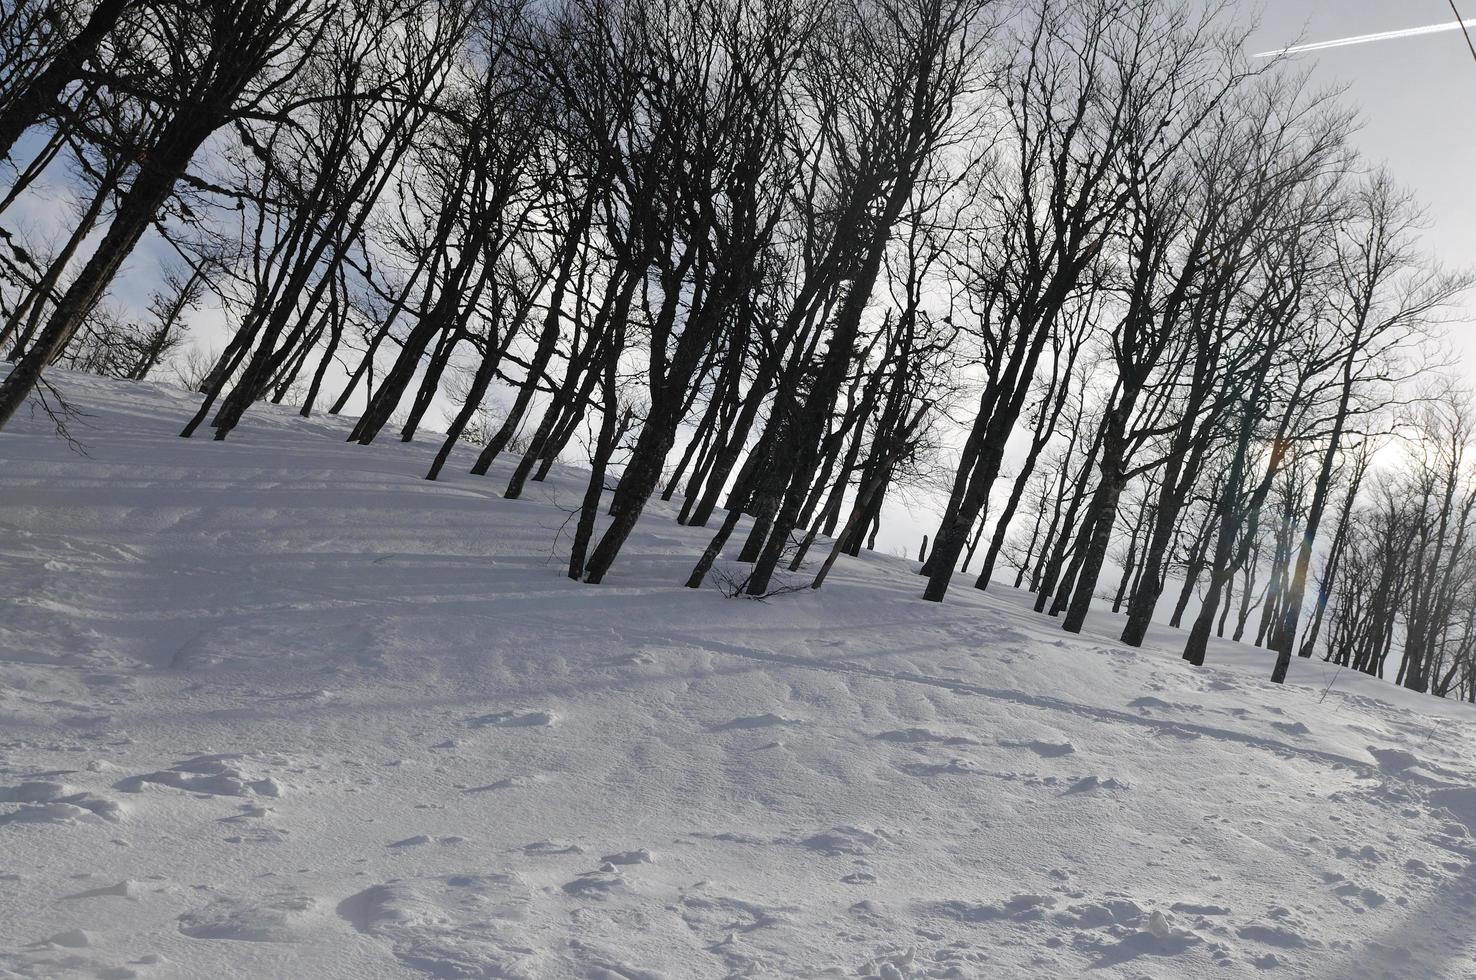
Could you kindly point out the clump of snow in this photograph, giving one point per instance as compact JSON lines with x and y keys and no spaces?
{"x":846,"y":840}
{"x":766,"y":720}
{"x":72,"y":939}
{"x":214,"y":775}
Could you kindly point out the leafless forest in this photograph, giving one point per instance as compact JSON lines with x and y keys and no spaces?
{"x":1119,"y":298}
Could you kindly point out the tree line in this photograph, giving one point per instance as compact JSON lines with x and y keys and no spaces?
{"x":1125,"y":300}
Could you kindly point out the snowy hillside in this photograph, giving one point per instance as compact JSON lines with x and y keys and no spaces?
{"x":282,"y":708}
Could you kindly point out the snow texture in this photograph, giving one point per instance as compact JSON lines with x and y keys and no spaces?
{"x":280,"y":707}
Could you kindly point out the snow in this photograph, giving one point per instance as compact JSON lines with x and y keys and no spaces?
{"x":280,"y":707}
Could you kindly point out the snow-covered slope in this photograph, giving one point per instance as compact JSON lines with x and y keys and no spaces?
{"x":280,"y":708}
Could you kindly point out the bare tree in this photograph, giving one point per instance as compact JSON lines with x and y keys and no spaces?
{"x":218,"y":56}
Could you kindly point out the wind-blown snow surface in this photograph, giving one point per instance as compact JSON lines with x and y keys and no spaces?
{"x":279,"y":707}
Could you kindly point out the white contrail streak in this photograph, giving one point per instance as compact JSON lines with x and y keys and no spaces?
{"x":1453,"y":25}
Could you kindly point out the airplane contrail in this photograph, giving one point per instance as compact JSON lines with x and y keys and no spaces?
{"x":1454,"y":25}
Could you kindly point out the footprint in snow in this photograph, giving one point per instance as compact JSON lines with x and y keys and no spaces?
{"x":420,"y":839}
{"x":727,"y":915}
{"x":1198,"y":908}
{"x":1159,"y":938}
{"x":1368,"y":896}
{"x":766,"y":720}
{"x":1418,"y":868}
{"x":509,"y":782}
{"x":545,"y":848}
{"x":1046,"y":750}
{"x":1088,"y":784}
{"x":597,"y":884}
{"x":846,"y":840}
{"x":640,"y":856}
{"x":515,"y":719}
{"x":128,"y":889}
{"x":259,"y":835}
{"x":463,"y":925}
{"x":1368,"y":854}
{"x":924,"y":735}
{"x":287,"y":917}
{"x":1271,"y":935}
{"x":953,"y":767}
{"x":1109,"y":913}
{"x":1459,"y":802}
{"x":1021,"y":908}
{"x":249,"y":812}
{"x":1393,"y":760}
{"x":638,"y":659}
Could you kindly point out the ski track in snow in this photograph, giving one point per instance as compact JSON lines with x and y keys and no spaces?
{"x":280,"y":707}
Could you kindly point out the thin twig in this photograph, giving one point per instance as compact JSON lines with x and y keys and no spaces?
{"x":1469,"y":43}
{"x":1330,"y":684}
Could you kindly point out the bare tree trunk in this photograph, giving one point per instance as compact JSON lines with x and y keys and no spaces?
{"x":176,"y":146}
{"x":40,"y":96}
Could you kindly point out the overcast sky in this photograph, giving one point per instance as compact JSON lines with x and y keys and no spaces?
{"x":1416,"y":96}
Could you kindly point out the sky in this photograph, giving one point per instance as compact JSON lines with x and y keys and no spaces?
{"x":1416,"y":95}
